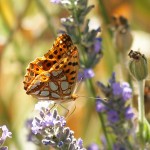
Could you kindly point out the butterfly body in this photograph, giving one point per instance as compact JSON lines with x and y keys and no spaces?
{"x":53,"y":76}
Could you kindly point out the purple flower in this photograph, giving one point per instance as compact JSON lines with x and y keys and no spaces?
{"x":5,"y":133}
{"x":4,"y":148}
{"x":119,"y":147}
{"x":93,"y":146}
{"x":112,"y":116}
{"x":88,"y":73}
{"x":55,"y":1}
{"x":50,"y":129}
{"x":118,"y":113}
{"x":117,"y":90}
{"x":80,"y":143}
{"x":129,"y":113}
{"x":100,"y":107}
{"x":36,"y":126}
{"x":125,"y":84}
{"x":80,"y":76}
{"x":97,"y":45}
{"x":122,"y":89}
{"x":127,"y":91}
{"x":47,"y":121}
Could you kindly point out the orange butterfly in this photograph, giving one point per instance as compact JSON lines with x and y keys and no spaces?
{"x":53,"y":76}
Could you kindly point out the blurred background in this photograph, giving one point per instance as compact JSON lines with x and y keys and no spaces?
{"x":27,"y":31}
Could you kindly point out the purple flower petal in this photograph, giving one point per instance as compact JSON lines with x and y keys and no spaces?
{"x":80,"y":143}
{"x":93,"y":147}
{"x":80,"y":76}
{"x":48,"y":121}
{"x":97,"y":45}
{"x":28,"y":123}
{"x":55,"y":1}
{"x":129,"y":113}
{"x":113,"y":116}
{"x":60,"y":144}
{"x":88,"y":73}
{"x":100,"y":107}
{"x":5,"y":134}
{"x":126,"y":91}
{"x":117,"y":90}
{"x":4,"y":148}
{"x":62,"y":121}
{"x":36,"y":126}
{"x":125,"y":84}
{"x":119,"y":147}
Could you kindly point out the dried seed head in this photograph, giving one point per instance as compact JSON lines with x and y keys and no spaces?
{"x":138,"y":65}
{"x":122,"y":34}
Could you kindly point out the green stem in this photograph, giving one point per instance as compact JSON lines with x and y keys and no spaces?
{"x":129,"y":146}
{"x":104,"y":13}
{"x":109,"y":53}
{"x":141,"y":109}
{"x":93,"y":93}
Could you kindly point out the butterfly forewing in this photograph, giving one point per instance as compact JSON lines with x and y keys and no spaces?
{"x":53,"y":76}
{"x":62,"y":47}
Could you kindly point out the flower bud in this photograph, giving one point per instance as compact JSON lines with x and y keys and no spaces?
{"x":138,"y":65}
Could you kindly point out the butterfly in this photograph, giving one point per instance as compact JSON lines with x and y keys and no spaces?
{"x":53,"y":76}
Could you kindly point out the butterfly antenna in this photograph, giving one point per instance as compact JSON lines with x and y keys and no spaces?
{"x":93,"y":97}
{"x":54,"y":105}
{"x":65,"y":109}
{"x":71,"y":112}
{"x":103,"y":100}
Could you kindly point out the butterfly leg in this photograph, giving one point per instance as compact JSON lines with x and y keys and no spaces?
{"x":67,"y":114}
{"x":72,"y":112}
{"x":53,"y":106}
{"x":65,"y":109}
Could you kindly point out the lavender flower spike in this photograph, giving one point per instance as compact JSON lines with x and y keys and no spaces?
{"x":49,"y":128}
{"x":118,"y":110}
